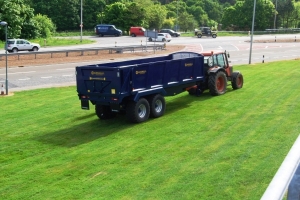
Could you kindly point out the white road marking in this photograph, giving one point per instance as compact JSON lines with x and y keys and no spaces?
{"x":20,"y":73}
{"x":66,"y":69}
{"x":46,"y":77}
{"x":235,"y":47}
{"x":23,"y":79}
{"x":67,"y":75}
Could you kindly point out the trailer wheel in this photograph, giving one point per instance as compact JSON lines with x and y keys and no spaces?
{"x":199,"y":35}
{"x":237,"y":80}
{"x":157,"y":105}
{"x":138,"y":111}
{"x":217,"y":83}
{"x":104,"y":112}
{"x":214,"y":36}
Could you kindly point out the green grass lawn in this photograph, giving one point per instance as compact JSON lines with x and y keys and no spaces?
{"x":225,"y":147}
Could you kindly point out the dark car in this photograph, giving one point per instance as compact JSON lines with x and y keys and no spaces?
{"x":171,"y":32}
{"x":205,"y":31}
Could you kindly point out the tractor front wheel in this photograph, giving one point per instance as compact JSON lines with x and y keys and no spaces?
{"x":217,"y":83}
{"x":237,"y":80}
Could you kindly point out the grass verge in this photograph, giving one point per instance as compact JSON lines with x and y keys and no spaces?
{"x":225,"y":147}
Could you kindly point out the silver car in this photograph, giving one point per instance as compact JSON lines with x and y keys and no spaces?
{"x":161,"y":37}
{"x":15,"y":45}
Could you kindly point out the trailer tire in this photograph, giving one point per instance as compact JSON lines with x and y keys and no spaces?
{"x":237,"y":80}
{"x":104,"y":112}
{"x":138,"y":111}
{"x":217,"y":83}
{"x":199,"y":35}
{"x":157,"y":105}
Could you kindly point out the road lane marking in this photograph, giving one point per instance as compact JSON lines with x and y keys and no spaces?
{"x":65,"y":69}
{"x":20,"y":72}
{"x":67,"y":75}
{"x":46,"y":77}
{"x":23,"y":79}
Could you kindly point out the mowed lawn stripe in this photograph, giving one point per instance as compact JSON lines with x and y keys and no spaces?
{"x":225,"y":147}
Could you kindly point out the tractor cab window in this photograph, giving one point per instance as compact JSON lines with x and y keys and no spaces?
{"x":220,"y":60}
{"x":217,"y":60}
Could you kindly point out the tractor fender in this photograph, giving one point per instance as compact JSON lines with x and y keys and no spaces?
{"x":214,"y":70}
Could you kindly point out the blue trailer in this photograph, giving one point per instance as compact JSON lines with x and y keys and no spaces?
{"x":137,"y":87}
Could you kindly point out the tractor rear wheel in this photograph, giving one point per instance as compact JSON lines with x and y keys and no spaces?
{"x":104,"y":112}
{"x":138,"y":111}
{"x":199,"y":35}
{"x":237,"y":80}
{"x":217,"y":83}
{"x":157,"y":105}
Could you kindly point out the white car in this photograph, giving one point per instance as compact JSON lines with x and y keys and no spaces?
{"x":161,"y":37}
{"x":15,"y":45}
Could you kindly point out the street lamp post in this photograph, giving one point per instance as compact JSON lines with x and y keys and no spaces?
{"x":81,"y":21}
{"x":177,"y":17}
{"x":3,"y":23}
{"x":275,"y":15}
{"x":253,"y":19}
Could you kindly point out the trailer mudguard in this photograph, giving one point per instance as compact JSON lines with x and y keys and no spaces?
{"x":142,"y":93}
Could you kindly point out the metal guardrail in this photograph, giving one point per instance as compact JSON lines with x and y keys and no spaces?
{"x":116,"y":49}
{"x":280,"y":182}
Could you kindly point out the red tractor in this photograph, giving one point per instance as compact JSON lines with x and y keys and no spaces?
{"x":218,"y":73}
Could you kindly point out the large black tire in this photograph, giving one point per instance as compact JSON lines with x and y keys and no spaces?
{"x":199,"y":35}
{"x":150,"y":39}
{"x":163,"y":40}
{"x":214,"y":35}
{"x":237,"y":80}
{"x":157,"y":105}
{"x":137,"y":112}
{"x":133,"y":35}
{"x":217,"y":83}
{"x":35,"y":49}
{"x":104,"y":112}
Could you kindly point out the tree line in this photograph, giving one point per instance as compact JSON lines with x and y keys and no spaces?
{"x":41,"y":18}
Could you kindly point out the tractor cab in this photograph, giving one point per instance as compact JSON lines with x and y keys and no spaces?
{"x":213,"y":61}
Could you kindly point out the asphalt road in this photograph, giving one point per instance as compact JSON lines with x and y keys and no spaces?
{"x":239,"y":48}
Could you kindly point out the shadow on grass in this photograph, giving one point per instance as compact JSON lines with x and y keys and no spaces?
{"x":93,"y":129}
{"x":85,"y":132}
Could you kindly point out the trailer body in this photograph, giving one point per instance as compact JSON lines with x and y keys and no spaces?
{"x":137,"y":87}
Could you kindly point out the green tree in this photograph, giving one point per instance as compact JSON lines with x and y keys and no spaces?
{"x":91,"y":11}
{"x":64,"y":13}
{"x":19,"y":16}
{"x":44,"y":26}
{"x":296,"y":15}
{"x":155,"y":15}
{"x":169,"y":23}
{"x":285,"y":9}
{"x":187,"y":22}
{"x":240,"y":15}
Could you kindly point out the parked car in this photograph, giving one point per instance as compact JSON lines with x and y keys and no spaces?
{"x":107,"y":29}
{"x":137,"y":31}
{"x":161,"y":37}
{"x":15,"y":45}
{"x":171,"y":32}
{"x":205,"y":31}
